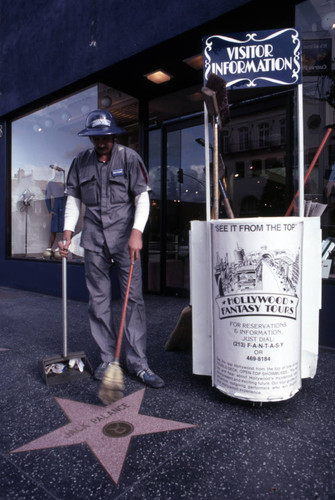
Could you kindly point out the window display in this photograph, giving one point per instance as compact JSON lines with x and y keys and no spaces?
{"x":316,"y":21}
{"x":43,"y":146}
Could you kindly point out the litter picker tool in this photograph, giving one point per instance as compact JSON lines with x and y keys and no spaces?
{"x":68,"y":367}
{"x":215,"y":97}
{"x":112,"y":386}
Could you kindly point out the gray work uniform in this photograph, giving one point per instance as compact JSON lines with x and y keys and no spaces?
{"x":108,"y":191}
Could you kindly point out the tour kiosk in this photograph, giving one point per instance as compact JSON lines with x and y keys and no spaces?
{"x":255,"y":282}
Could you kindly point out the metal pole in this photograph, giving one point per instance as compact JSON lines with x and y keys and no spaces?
{"x":216,"y":168}
{"x":301,"y":150}
{"x":208,"y":181}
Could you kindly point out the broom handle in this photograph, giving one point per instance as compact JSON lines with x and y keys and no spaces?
{"x":123,"y":314}
{"x":225,"y":200}
{"x":64,"y":304}
{"x":310,"y":168}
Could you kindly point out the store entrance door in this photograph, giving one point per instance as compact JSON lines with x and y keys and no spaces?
{"x":177,"y":177}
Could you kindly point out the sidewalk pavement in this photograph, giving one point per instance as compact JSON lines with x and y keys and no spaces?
{"x":186,"y":441}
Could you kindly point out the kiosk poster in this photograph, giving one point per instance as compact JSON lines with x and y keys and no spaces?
{"x":254,"y":59}
{"x":256,"y":300}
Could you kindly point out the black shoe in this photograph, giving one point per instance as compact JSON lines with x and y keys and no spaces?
{"x":150,"y":378}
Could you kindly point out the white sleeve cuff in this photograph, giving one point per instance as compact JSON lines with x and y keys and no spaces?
{"x":142,"y":208}
{"x":72,"y":212}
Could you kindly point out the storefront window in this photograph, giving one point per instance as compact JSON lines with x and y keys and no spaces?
{"x":316,"y":21}
{"x":44,"y":144}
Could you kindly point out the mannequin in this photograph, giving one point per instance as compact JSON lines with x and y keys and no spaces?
{"x":55,"y":202}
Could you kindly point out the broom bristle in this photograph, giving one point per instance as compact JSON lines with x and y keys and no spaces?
{"x":219,"y":86}
{"x":112,"y":387}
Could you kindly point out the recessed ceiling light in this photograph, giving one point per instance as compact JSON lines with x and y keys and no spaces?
{"x":158,"y":76}
{"x":196,"y":62}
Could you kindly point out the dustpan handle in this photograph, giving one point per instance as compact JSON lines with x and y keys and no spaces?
{"x":64,"y":304}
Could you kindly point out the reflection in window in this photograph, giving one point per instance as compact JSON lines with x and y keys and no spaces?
{"x":264,"y":135}
{"x":154,"y":164}
{"x":256,"y":168}
{"x":43,"y":146}
{"x":225,"y":141}
{"x":155,"y":172}
{"x":239,"y":169}
{"x":282,"y":125}
{"x":243,"y":134}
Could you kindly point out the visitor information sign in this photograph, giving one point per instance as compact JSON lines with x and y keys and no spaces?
{"x":254,"y":59}
{"x":256,"y":307}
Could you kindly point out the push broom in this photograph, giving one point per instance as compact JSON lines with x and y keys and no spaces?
{"x":112,"y":386}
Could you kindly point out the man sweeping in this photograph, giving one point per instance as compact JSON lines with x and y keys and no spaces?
{"x":111,"y":180}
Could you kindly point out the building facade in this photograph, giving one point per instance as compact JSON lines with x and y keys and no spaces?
{"x":61,"y":59}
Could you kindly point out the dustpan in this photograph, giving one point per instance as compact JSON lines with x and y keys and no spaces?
{"x":68,"y":367}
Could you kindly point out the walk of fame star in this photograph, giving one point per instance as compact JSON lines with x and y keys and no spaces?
{"x":106,"y":430}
